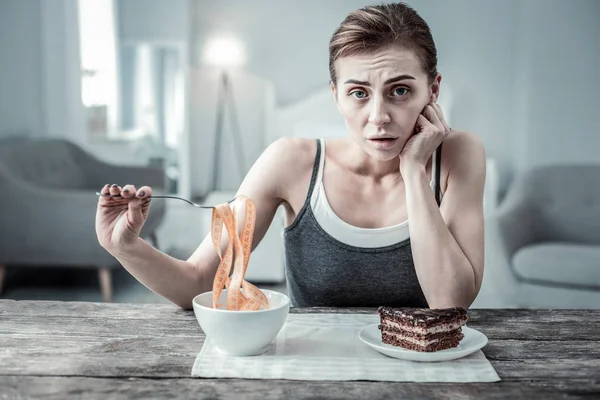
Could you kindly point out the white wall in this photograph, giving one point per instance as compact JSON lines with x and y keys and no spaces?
{"x":475,"y":41}
{"x":561,"y":122}
{"x":21,"y":109}
{"x":286,"y":42}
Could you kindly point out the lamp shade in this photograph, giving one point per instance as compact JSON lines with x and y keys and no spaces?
{"x":224,"y":52}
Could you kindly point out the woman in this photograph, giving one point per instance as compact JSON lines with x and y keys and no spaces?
{"x":349,"y":201}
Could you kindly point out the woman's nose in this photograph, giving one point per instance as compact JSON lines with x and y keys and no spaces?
{"x":379,"y":114}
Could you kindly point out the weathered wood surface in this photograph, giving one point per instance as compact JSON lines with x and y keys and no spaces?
{"x":59,"y":388}
{"x":95,"y":350}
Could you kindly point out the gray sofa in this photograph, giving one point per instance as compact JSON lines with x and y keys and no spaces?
{"x":548,"y":231}
{"x":48,"y":205}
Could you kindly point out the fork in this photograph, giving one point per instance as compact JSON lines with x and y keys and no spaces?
{"x":163,"y":197}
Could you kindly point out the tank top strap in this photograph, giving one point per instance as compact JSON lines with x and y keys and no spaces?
{"x":437,"y":170}
{"x":316,"y":173}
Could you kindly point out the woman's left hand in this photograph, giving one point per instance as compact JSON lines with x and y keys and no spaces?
{"x":430,"y":131}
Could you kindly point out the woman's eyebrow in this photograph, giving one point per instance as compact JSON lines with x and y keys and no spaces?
{"x":391,"y":80}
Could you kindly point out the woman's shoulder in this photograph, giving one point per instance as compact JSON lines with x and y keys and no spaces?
{"x":292,"y":152}
{"x":461,"y":145}
{"x":289,"y":160}
{"x":463,"y":154}
{"x":462,"y":138}
{"x":280,"y":169}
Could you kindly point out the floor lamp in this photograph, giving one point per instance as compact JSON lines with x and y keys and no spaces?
{"x":224,"y":53}
{"x":226,"y":100}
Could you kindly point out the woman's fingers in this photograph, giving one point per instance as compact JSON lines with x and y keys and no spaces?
{"x":115,"y":190}
{"x":423,"y":123}
{"x":440,"y":115}
{"x":128,"y":191}
{"x":116,"y":194}
{"x":432,"y":116}
{"x":144,"y":192}
{"x":105,"y":198}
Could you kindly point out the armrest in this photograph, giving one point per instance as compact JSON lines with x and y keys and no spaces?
{"x":57,"y":223}
{"x":100,"y":173}
{"x":46,"y":212}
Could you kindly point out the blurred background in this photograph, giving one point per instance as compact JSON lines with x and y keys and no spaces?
{"x":186,"y":94}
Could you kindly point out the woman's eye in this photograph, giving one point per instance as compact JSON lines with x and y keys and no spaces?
{"x":359,"y":94}
{"x":400,"y":91}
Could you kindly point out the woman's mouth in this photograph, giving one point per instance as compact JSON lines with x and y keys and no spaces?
{"x":383,"y":143}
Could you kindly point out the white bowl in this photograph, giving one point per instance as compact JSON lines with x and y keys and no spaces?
{"x":241,"y":333}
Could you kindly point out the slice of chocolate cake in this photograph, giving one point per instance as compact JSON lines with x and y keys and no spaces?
{"x":422,"y":329}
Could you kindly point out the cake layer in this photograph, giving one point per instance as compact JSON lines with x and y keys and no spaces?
{"x":406,"y":343}
{"x":418,"y":330}
{"x":419,"y":336}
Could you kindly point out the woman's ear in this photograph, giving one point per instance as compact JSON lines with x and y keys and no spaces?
{"x":335,"y":97}
{"x":435,"y":88}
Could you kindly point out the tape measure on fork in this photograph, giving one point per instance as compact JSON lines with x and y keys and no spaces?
{"x":237,"y":255}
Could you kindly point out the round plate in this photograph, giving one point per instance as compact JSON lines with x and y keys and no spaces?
{"x":472,"y":341}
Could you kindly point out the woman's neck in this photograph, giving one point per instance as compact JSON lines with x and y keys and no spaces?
{"x":361,"y":163}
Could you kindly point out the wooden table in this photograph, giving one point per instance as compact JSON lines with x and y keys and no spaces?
{"x":60,"y":350}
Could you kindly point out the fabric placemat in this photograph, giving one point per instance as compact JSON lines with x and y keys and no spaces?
{"x":327,"y":347}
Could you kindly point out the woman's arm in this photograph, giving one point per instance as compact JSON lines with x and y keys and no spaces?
{"x":178,"y":280}
{"x":448,"y":242}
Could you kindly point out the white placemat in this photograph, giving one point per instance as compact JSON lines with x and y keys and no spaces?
{"x":327,"y":347}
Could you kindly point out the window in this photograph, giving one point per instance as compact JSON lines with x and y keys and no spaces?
{"x":98,"y":42}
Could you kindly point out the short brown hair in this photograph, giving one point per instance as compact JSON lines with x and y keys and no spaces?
{"x":374,"y":27}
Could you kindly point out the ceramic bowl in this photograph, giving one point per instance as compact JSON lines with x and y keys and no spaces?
{"x":241,"y":333}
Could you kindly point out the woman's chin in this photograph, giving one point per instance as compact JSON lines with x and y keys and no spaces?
{"x":379,"y":152}
{"x":384,"y":156}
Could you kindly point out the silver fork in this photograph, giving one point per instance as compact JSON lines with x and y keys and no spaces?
{"x":163,"y":197}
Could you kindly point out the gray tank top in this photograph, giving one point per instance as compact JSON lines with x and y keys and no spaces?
{"x":322,"y":271}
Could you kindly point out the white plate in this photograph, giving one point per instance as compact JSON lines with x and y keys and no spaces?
{"x":472,"y":341}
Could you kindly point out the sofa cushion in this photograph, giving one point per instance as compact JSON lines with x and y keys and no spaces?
{"x":567,"y":200}
{"x":43,"y":162}
{"x":562,"y":263}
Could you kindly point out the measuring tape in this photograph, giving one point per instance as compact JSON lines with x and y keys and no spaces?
{"x":252,"y":298}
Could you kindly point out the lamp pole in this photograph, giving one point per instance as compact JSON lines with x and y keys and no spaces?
{"x":225,"y":96}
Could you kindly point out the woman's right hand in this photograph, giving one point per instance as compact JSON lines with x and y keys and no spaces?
{"x":119,"y":221}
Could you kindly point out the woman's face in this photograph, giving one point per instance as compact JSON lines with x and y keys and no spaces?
{"x":380,"y":96}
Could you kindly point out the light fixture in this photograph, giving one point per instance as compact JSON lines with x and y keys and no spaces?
{"x":224,"y":52}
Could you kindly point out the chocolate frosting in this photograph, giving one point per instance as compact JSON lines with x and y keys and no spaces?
{"x":423,"y":316}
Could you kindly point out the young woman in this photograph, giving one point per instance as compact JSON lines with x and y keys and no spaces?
{"x":385,"y":216}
